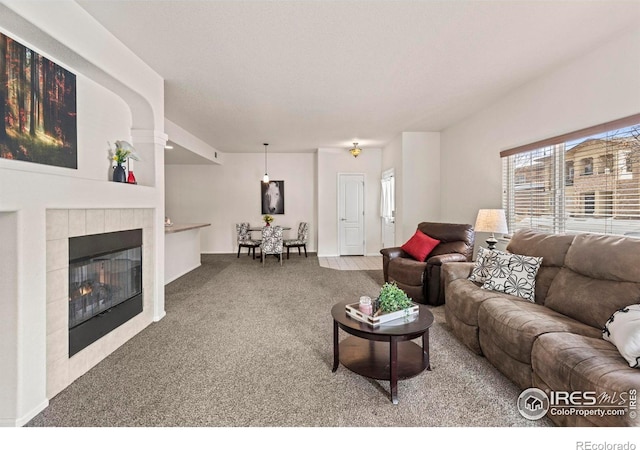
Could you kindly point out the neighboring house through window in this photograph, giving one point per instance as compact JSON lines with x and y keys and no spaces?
{"x":542,"y":192}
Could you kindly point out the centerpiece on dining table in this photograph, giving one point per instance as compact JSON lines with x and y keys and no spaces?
{"x":267,"y":219}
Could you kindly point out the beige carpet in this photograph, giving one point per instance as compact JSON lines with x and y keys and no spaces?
{"x":249,"y":346}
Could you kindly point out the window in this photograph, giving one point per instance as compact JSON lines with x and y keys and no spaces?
{"x":589,"y":203}
{"x":587,"y":164}
{"x":605,"y":163}
{"x":628,"y":162}
{"x":625,"y":165}
{"x":578,"y":182}
{"x":568,"y":170}
{"x":605,"y":204}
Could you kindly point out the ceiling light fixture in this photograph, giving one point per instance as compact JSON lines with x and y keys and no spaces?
{"x":355,"y":150}
{"x":265,"y":179}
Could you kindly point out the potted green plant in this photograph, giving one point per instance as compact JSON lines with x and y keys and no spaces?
{"x":268,"y":219}
{"x":392,"y":298}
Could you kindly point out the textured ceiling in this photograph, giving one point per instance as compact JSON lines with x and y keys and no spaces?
{"x":307,"y":74}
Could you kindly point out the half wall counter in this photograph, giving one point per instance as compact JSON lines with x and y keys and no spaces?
{"x":181,"y":249}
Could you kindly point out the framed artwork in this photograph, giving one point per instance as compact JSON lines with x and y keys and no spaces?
{"x":37,"y":107}
{"x":272,"y":196}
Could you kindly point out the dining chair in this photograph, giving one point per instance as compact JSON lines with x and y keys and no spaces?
{"x":301,"y":241}
{"x":244,"y":239}
{"x":271,"y":242}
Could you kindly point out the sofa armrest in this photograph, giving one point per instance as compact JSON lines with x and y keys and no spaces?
{"x":439,"y":260}
{"x":393,"y":252}
{"x":456,"y":270}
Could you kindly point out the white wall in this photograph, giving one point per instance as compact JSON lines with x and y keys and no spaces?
{"x":224,"y":195}
{"x":392,"y":159}
{"x":415,"y":158}
{"x":595,"y":88}
{"x":8,"y":314}
{"x":334,"y":161}
{"x":421,"y":181}
{"x":112,"y":105}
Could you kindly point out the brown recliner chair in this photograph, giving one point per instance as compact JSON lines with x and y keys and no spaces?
{"x":421,"y":279}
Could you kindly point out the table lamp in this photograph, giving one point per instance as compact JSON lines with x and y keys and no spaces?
{"x":491,"y":221}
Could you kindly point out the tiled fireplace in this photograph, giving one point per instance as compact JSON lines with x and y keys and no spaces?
{"x":105,"y":284}
{"x":78,"y":335}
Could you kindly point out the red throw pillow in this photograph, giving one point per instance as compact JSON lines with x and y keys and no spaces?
{"x":420,"y":245}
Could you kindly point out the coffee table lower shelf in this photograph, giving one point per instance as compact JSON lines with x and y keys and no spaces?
{"x":371,"y":359}
{"x":383,"y":352}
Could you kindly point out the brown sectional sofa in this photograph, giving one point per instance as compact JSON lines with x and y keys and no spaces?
{"x":556,"y":343}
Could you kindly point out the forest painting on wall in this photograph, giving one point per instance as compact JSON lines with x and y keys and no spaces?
{"x":38,"y":108}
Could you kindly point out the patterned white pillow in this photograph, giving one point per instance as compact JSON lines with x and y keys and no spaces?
{"x":485,"y":262}
{"x":515,"y":275}
{"x":623,"y":330}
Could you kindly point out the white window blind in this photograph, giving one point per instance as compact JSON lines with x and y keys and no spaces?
{"x":587,"y":181}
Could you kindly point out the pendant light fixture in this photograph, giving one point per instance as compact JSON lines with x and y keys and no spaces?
{"x":355,"y":150}
{"x":265,"y":179}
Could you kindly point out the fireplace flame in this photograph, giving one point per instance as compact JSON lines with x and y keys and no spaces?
{"x":84,"y":290}
{"x":81,"y":291}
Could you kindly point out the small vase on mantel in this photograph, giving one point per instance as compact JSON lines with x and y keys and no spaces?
{"x":119,"y":174}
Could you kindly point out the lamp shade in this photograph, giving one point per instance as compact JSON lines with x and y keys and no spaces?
{"x":491,"y":221}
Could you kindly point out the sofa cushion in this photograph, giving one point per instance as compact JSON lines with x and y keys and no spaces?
{"x":601,"y":275}
{"x":465,"y":297}
{"x":420,"y":245}
{"x":589,"y":300}
{"x":514,"y":325}
{"x":514,"y":274}
{"x":551,"y":247}
{"x":570,"y":362}
{"x":604,"y":257}
{"x":623,"y":330}
{"x":543,"y":282}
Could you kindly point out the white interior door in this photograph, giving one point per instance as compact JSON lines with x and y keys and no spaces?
{"x":351,"y":214}
{"x":388,"y":209}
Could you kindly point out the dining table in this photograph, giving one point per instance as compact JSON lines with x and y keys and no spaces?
{"x":284,"y":228}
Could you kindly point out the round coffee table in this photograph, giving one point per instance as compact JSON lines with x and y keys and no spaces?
{"x":384,"y":352}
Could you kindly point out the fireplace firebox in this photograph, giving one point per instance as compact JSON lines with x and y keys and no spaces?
{"x":105,"y":284}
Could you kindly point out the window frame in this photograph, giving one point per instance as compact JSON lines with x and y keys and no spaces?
{"x":547,"y":212}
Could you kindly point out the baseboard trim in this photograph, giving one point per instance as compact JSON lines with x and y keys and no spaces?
{"x":21,"y":421}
